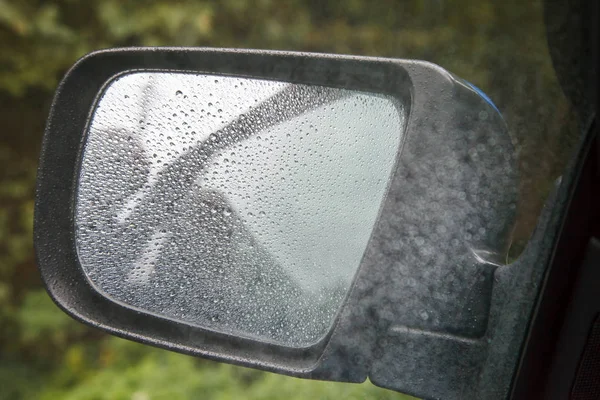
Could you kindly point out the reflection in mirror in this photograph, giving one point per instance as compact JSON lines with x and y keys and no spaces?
{"x":238,"y":205}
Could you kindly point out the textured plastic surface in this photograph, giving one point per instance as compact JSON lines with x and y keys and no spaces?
{"x":239,"y":205}
{"x":587,"y":381}
{"x":433,"y":310}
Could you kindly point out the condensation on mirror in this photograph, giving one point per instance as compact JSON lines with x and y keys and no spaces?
{"x":239,"y":205}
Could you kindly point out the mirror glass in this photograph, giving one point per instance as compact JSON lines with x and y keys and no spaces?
{"x":239,"y":205}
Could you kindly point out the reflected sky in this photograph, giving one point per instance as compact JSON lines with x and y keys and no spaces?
{"x":309,"y":188}
{"x":241,"y":205}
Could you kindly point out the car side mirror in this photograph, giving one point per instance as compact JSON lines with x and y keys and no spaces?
{"x":327,"y":217}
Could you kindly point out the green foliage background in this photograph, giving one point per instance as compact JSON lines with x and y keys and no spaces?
{"x":498,"y":45}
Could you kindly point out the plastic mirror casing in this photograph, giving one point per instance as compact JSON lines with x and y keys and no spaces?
{"x":431,"y":316}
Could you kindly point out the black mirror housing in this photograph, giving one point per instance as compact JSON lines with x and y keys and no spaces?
{"x":447,"y":326}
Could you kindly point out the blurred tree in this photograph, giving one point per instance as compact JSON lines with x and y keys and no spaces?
{"x":499,"y":46}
